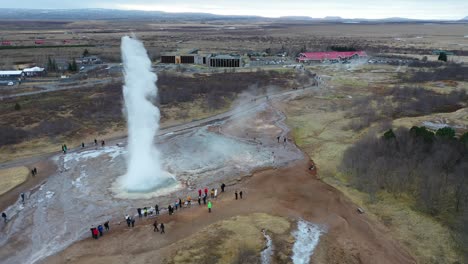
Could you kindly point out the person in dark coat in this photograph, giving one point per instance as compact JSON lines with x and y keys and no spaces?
{"x":133,"y":222}
{"x":240,"y":194}
{"x":139,"y":212}
{"x":155,"y":224}
{"x":4,"y":217}
{"x":106,"y":225}
{"x":162,"y":228}
{"x":222,"y":187}
{"x":156,"y":208}
{"x":235,"y":194}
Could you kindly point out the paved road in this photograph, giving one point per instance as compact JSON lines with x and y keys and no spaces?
{"x":238,"y":109}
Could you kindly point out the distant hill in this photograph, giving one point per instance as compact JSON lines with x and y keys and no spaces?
{"x":465,"y":18}
{"x":117,"y":14}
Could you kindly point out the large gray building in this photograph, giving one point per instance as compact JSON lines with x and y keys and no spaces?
{"x":229,"y":61}
{"x":193,"y":57}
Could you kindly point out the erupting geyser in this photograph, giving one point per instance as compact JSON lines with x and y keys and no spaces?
{"x":144,"y":172}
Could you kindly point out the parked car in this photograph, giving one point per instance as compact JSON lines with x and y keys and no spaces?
{"x":10,"y":83}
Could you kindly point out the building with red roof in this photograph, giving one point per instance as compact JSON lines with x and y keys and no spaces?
{"x":330,"y":56}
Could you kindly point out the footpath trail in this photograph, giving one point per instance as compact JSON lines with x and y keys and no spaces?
{"x":292,"y":192}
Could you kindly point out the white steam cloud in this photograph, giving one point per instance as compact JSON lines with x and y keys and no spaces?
{"x":144,"y":172}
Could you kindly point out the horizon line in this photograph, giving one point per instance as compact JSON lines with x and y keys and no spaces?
{"x":228,"y":15}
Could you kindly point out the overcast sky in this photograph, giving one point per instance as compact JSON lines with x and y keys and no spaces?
{"x":421,"y":9}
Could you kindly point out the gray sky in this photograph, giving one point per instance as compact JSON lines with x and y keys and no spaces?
{"x":421,"y":9}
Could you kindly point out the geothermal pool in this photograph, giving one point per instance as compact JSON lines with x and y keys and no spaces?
{"x":82,"y":192}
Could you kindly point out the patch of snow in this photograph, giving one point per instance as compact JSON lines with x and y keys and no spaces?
{"x":307,"y":237}
{"x":268,"y":251}
{"x":78,"y":182}
{"x":49,"y":194}
{"x":113,"y":152}
{"x":439,"y":125}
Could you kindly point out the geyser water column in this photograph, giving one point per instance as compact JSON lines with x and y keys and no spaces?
{"x":144,"y":172}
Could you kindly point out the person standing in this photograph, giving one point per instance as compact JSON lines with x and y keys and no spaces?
{"x":204,"y":199}
{"x":155,"y":224}
{"x":240,"y":194}
{"x":106,"y":225}
{"x":199,"y":192}
{"x":209,"y":206}
{"x":212,"y":193}
{"x":216,"y":193}
{"x":278,"y":137}
{"x":95,"y":142}
{"x":222,"y":187}
{"x":162,"y":228}
{"x":236,"y":194}
{"x":82,"y":144}
{"x":35,"y":171}
{"x":180,"y":203}
{"x":156,"y":208}
{"x":139,"y":212}
{"x":4,"y":217}
{"x":100,"y":229}
{"x":206,"y":191}
{"x":95,"y":233}
{"x":199,"y":200}
{"x":22,"y":197}
{"x":129,"y":221}
{"x":133,"y":222}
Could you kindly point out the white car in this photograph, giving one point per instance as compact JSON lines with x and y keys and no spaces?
{"x":10,"y":83}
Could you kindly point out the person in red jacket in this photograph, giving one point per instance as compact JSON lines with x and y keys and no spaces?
{"x":95,"y":232}
{"x":206,"y":191}
{"x":199,"y":192}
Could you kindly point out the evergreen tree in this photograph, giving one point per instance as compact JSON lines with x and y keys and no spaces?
{"x":443,"y":56}
{"x":389,"y":134}
{"x":17,"y":107}
{"x":85,"y":53}
{"x":74,"y":66}
{"x":446,"y":132}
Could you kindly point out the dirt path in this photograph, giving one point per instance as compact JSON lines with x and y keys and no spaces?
{"x":291,"y":192}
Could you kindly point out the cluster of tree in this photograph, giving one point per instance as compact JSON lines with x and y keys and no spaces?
{"x":342,"y":48}
{"x":401,"y":102}
{"x":430,"y":167}
{"x":72,"y":66}
{"x":453,"y":71}
{"x":51,"y":65}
